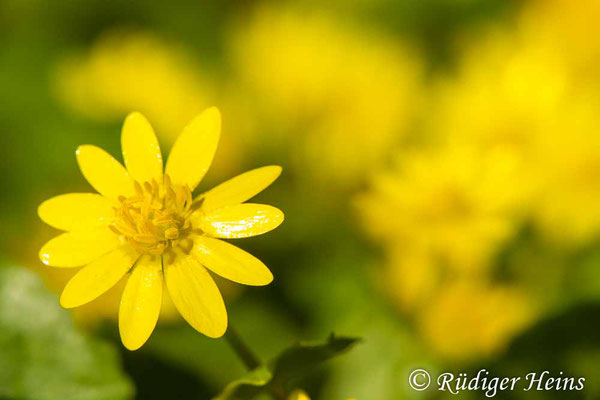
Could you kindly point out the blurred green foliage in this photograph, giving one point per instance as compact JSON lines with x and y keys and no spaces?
{"x":43,"y":355}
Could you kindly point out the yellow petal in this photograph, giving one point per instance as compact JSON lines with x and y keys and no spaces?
{"x":74,"y":249}
{"x":141,"y":301}
{"x":76,"y":211}
{"x":196,"y":295}
{"x":241,"y":188}
{"x":194,"y":149}
{"x":235,"y":222}
{"x":97,"y":277}
{"x":231,"y":262}
{"x":141,"y":151}
{"x":103,"y":172}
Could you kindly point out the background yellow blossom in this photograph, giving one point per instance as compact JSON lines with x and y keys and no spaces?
{"x":457,"y":203}
{"x":506,"y":160}
{"x":128,"y":69}
{"x":339,"y":94}
{"x":469,"y":319}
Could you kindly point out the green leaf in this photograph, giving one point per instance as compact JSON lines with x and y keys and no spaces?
{"x":248,"y":386}
{"x":281,"y":374}
{"x":298,"y":360}
{"x":43,"y":356}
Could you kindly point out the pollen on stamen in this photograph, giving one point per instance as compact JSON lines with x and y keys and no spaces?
{"x":156,"y":217}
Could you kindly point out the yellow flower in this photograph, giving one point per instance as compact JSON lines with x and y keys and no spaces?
{"x":410,"y":277}
{"x":145,"y":224}
{"x":567,"y":209}
{"x":569,"y":152}
{"x":134,"y":70}
{"x":442,"y":215}
{"x":354,"y":94}
{"x":470,"y":319}
{"x":534,"y":92}
{"x":571,"y":29}
{"x":501,"y":96}
{"x":455,"y":203}
{"x":138,"y":70}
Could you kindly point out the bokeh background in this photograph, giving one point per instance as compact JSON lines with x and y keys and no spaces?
{"x":441,"y":185}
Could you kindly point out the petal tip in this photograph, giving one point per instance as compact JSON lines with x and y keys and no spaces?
{"x":41,"y":210}
{"x":276,"y":170}
{"x":268,"y":279}
{"x":212,"y":115}
{"x":132,"y":347}
{"x":65,"y":302}
{"x":81,"y":151}
{"x":264,"y":280}
{"x":83,"y":147}
{"x":279,"y":216}
{"x":134,"y":117}
{"x":134,"y":114}
{"x":213,"y":110}
{"x":131,"y":344}
{"x":217,"y":332}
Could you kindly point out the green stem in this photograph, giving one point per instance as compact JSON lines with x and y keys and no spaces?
{"x":250,"y":360}
{"x":241,"y":349}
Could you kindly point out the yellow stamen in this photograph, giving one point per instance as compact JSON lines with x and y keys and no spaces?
{"x":152,"y":220}
{"x":172,"y":233}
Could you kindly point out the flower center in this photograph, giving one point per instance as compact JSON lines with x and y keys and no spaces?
{"x":156,"y":217}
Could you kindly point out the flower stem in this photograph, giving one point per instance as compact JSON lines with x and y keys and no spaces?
{"x":241,"y":349}
{"x":250,"y":360}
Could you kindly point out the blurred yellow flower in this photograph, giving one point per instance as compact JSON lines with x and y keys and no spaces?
{"x":569,"y":151}
{"x":501,"y":96}
{"x":455,"y":203}
{"x":511,"y":137}
{"x":410,"y":276}
{"x":567,"y":208}
{"x":571,"y":29}
{"x":127,"y":70}
{"x":135,"y":70}
{"x":442,"y":214}
{"x":532,"y":92}
{"x":468,"y":319}
{"x":342,"y":96}
{"x":145,"y":224}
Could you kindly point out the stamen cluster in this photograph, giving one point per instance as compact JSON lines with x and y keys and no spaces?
{"x":156,"y":217}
